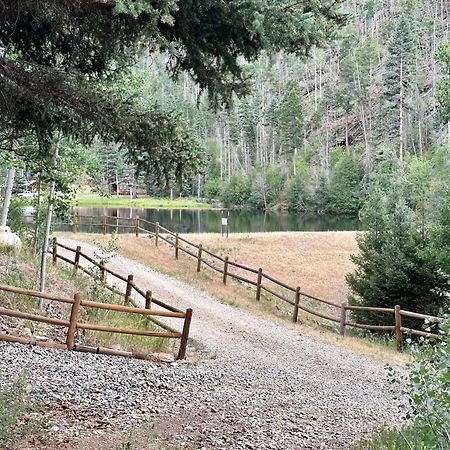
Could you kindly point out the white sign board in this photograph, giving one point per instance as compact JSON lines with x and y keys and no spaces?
{"x":224,"y":221}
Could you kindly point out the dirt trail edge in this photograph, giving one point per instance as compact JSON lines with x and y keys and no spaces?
{"x":263,"y":386}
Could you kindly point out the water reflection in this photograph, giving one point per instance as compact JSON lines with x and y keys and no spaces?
{"x":240,"y":221}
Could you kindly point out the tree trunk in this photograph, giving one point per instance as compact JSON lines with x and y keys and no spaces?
{"x":401,"y":149}
{"x":7,"y":198}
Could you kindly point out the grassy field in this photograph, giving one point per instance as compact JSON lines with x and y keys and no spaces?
{"x":89,"y":199}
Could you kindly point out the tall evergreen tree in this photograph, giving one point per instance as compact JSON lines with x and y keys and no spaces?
{"x":399,"y":75}
{"x":394,"y":265}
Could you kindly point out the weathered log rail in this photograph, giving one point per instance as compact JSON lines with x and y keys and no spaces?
{"x":74,"y":324}
{"x":292,"y":295}
{"x":164,"y":310}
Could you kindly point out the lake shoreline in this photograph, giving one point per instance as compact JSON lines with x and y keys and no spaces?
{"x":210,"y":220}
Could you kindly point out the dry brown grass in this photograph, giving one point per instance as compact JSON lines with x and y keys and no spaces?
{"x":319,"y":261}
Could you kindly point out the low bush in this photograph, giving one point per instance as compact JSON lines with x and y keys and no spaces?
{"x":428,"y":408}
{"x":17,"y":421}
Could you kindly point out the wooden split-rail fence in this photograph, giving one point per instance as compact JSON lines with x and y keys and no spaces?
{"x":130,"y":306}
{"x":261,"y":281}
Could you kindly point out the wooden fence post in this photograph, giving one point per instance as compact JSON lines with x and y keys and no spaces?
{"x":398,"y":328}
{"x":74,"y":222}
{"x":128,"y":290}
{"x":76,"y":262}
{"x":104,"y":224}
{"x":225,"y":270}
{"x":258,"y":285}
{"x":185,"y":334}
{"x":297,"y":301}
{"x":137,"y":226}
{"x":148,"y":300}
{"x":343,"y":318}
{"x":102,"y":273}
{"x":156,"y":233}
{"x":73,"y":321}
{"x":55,"y":250}
{"x":176,"y":246}
{"x":199,"y":257}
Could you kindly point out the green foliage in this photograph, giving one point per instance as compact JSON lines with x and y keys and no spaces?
{"x":237,"y":190}
{"x":64,"y":66}
{"x":394,"y":265}
{"x":290,"y":117}
{"x":15,"y":407}
{"x":428,"y":393}
{"x":16,"y":219}
{"x":440,"y":235}
{"x":399,"y":76}
{"x":297,"y":196}
{"x":212,"y":188}
{"x":443,"y":94}
{"x":266,"y":188}
{"x":345,"y":195}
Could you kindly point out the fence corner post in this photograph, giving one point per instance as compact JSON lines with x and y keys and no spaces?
{"x":104,"y":224}
{"x":128,"y":290}
{"x":148,"y":300}
{"x":185,"y":334}
{"x":76,"y":262}
{"x":343,"y":320}
{"x":398,"y":328}
{"x":156,"y":233}
{"x":297,"y":301}
{"x":55,"y":250}
{"x":225,"y":270}
{"x":176,"y":246}
{"x":137,"y":226}
{"x":74,"y":222}
{"x":70,"y":341}
{"x":199,"y":257}
{"x":102,"y":272}
{"x":258,"y":285}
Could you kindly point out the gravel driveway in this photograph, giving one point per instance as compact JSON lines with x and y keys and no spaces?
{"x":261,"y":387}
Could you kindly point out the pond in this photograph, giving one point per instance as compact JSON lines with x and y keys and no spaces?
{"x":240,"y":221}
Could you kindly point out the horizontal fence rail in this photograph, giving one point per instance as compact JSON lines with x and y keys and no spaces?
{"x":149,"y":311}
{"x":74,"y":323}
{"x":292,"y":295}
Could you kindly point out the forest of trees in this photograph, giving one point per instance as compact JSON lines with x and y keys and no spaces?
{"x":312,"y":131}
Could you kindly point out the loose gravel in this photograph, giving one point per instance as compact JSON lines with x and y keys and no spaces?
{"x":262,"y":386}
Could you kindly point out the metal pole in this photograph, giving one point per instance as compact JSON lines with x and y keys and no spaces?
{"x":48,"y":226}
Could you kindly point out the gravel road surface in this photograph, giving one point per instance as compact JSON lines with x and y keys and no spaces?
{"x":259,"y":386}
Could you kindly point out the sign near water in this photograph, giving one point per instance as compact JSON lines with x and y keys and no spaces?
{"x":244,"y":221}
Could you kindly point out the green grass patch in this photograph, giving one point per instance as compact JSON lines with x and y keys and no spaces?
{"x":119,"y":319}
{"x":19,"y":417}
{"x":407,"y":438}
{"x":142,"y":202}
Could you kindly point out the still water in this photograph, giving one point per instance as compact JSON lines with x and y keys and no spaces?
{"x":240,"y":221}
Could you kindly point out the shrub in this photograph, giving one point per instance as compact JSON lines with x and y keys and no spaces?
{"x":15,"y":409}
{"x":212,"y":188}
{"x":237,"y":191}
{"x":428,"y":393}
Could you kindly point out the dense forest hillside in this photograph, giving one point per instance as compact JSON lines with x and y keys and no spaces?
{"x":310,"y":133}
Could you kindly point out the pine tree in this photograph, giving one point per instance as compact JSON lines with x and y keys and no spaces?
{"x":399,"y":76}
{"x":394,"y":265}
{"x":290,"y":119}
